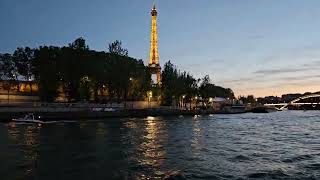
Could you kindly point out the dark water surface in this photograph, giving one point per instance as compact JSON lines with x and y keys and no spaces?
{"x":281,"y":145}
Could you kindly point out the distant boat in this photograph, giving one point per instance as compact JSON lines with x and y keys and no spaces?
{"x":29,"y":118}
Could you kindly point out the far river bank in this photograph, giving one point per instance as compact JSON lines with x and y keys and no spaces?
{"x":86,"y":112}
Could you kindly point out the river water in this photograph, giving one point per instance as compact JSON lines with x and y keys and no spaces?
{"x":281,"y":145}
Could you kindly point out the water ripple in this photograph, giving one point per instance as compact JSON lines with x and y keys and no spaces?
{"x":282,"y":145}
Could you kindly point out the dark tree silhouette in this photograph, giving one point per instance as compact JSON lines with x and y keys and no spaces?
{"x":8,"y":72}
{"x":24,"y":61}
{"x":81,"y":74}
{"x":116,"y":48}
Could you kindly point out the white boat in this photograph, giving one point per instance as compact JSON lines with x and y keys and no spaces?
{"x":29,"y":118}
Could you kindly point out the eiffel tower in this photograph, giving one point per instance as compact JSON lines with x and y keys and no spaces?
{"x":154,"y":64}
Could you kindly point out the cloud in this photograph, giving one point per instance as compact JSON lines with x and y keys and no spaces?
{"x":280,"y":71}
{"x":266,"y":82}
{"x":300,"y":78}
{"x":241,"y":80}
{"x":263,"y":81}
{"x":293,"y":68}
{"x":314,"y":65}
{"x":307,"y":52}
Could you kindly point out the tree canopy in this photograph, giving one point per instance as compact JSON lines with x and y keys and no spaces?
{"x":79,"y":73}
{"x":177,"y":85}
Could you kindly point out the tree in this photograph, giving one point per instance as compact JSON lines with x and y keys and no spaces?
{"x":250,"y":99}
{"x":116,"y":48}
{"x":24,"y":61}
{"x":79,"y":44}
{"x":190,"y":88}
{"x":47,"y":74}
{"x":169,"y":80}
{"x":72,"y":65}
{"x":8,"y":72}
{"x":176,"y":85}
{"x":84,"y":74}
{"x":208,"y":90}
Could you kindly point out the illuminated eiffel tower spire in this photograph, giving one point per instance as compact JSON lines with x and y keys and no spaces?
{"x":154,"y":64}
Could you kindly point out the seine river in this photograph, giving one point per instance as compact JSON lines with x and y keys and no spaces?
{"x":280,"y":145}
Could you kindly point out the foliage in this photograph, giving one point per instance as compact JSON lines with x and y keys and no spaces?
{"x":47,"y":74}
{"x":23,"y":58}
{"x":176,"y":84}
{"x":24,"y":62}
{"x":250,"y":99}
{"x":116,"y":48}
{"x":8,"y":72}
{"x":207,"y":90}
{"x":82,"y":74}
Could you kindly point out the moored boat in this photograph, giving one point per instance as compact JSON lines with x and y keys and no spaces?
{"x":29,"y":118}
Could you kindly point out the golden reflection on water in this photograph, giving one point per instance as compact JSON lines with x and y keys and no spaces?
{"x":30,"y":135}
{"x":131,"y":125}
{"x":13,"y":133}
{"x":82,"y":124}
{"x":101,"y":130}
{"x":152,"y":145}
{"x":196,"y":143}
{"x":26,"y":136}
{"x":30,"y":153}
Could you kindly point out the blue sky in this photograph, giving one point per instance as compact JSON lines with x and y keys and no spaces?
{"x":260,"y":47}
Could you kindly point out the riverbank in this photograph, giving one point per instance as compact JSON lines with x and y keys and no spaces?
{"x":87,"y":115}
{"x":88,"y":111}
{"x":46,"y":113}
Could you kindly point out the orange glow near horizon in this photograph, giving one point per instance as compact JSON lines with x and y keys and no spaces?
{"x":276,"y":91}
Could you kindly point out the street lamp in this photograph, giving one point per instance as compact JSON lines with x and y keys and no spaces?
{"x":196,"y":99}
{"x":149,"y":97}
{"x":131,"y":86}
{"x":184,"y":96}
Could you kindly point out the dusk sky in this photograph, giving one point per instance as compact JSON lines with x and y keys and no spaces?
{"x":260,"y":47}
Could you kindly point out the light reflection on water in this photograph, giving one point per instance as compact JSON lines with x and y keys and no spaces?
{"x":196,"y":137}
{"x":282,"y":145}
{"x":13,"y":132}
{"x":101,"y":130}
{"x":29,"y":140}
{"x":152,"y":146}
